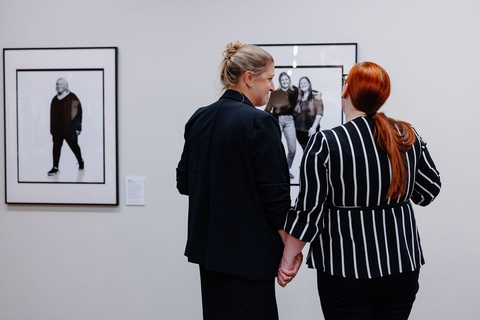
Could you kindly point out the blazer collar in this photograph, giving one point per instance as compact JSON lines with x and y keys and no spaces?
{"x":235,"y":95}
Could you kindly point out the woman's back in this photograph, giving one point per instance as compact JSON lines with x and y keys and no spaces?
{"x":356,"y":232}
{"x":359,"y":171}
{"x":234,"y":170}
{"x":357,"y":182}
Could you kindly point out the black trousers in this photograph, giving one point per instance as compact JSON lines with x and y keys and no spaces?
{"x":57,"y":147}
{"x":229,"y":297}
{"x":386,"y":298}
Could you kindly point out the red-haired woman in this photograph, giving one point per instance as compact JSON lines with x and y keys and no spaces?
{"x":357,"y":182}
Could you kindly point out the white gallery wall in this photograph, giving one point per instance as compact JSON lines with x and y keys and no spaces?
{"x":125,"y":263}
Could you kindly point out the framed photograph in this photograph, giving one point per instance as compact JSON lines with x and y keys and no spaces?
{"x":306,"y":100}
{"x":308,"y":82}
{"x":61,"y":126}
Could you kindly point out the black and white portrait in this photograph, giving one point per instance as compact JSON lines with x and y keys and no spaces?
{"x":60,"y":126}
{"x":305,"y":100}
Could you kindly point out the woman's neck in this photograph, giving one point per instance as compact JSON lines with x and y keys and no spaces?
{"x":241,"y":90}
{"x":353,"y":115}
{"x":350,"y":111}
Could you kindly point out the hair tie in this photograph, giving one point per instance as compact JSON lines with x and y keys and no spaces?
{"x":371,"y":113}
{"x":228,"y":55}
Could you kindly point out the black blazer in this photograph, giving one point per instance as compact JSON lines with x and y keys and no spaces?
{"x":234,"y":169}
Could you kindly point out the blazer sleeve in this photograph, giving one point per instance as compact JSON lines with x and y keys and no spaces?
{"x":427,"y":180}
{"x":304,"y":220}
{"x":182,"y":168}
{"x":271,"y":170}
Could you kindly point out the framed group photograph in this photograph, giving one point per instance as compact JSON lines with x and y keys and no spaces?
{"x":307,"y":99}
{"x":61,"y":126}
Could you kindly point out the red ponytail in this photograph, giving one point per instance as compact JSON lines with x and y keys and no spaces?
{"x":369,"y":88}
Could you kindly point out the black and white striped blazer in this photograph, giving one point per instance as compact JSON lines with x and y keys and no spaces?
{"x":341,"y":207}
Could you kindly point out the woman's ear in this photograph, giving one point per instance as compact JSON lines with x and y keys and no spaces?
{"x":248,"y":78}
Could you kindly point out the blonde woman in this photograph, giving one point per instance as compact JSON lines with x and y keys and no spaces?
{"x":234,"y":170}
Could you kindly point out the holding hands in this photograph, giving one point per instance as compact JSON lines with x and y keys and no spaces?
{"x":287,"y":270}
{"x":291,"y":260}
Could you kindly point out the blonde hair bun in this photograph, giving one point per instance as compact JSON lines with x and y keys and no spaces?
{"x":238,"y":59}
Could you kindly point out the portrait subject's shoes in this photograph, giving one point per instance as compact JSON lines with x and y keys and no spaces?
{"x":81,"y":165}
{"x":53,"y":172}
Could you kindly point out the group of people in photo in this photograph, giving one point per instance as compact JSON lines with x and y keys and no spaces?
{"x":358,"y":183}
{"x":298,"y":111}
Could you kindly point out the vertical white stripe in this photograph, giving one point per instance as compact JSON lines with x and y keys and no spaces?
{"x":317,"y":194}
{"x":327,"y":160}
{"x":331,"y":240}
{"x":312,"y":258}
{"x":353,"y":244}
{"x":387,"y":253}
{"x":376,"y":244}
{"x":413,"y":235}
{"x":340,"y":154}
{"x":414,"y":170}
{"x":318,"y":219}
{"x":305,"y":174}
{"x":321,"y":246}
{"x":407,"y":193}
{"x":365,"y":246}
{"x":354,"y":167}
{"x":341,"y":243}
{"x":408,"y":170}
{"x":389,"y":176}
{"x":405,"y":237}
{"x":378,"y":161}
{"x":367,"y":168}
{"x":398,"y":242}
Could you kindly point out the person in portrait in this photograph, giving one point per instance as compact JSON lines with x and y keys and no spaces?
{"x":234,"y":170}
{"x":65,"y":124}
{"x":281,"y":104}
{"x":357,"y":185}
{"x":308,"y":111}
